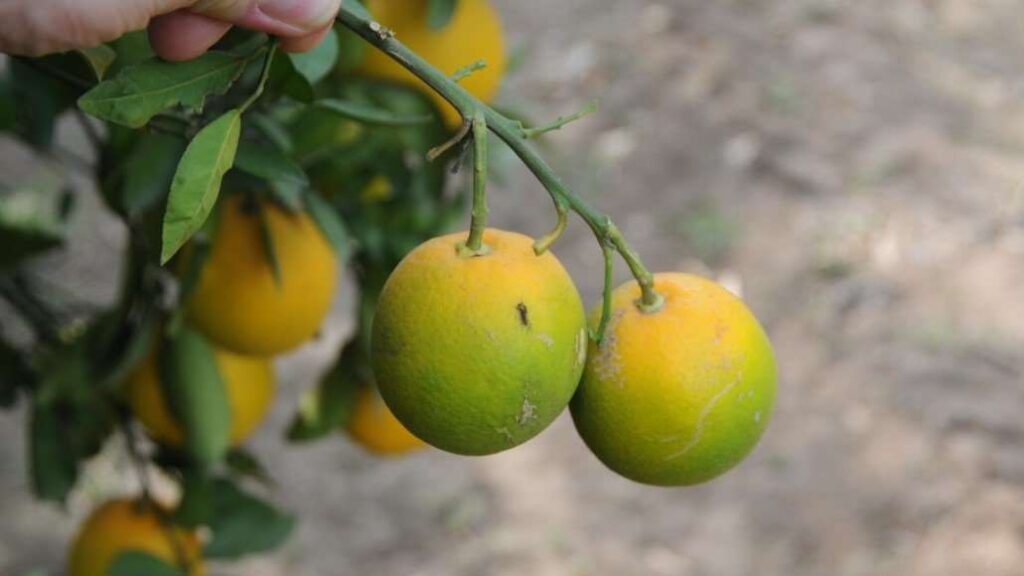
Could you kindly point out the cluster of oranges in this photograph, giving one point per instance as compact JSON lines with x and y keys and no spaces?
{"x":473,"y":353}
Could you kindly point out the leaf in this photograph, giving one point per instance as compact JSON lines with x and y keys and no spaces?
{"x":358,"y":9}
{"x":139,"y":92}
{"x":269,"y":248}
{"x":286,"y":178}
{"x":197,"y":397}
{"x":39,"y":100}
{"x":197,"y":181}
{"x":369,"y":114}
{"x":99,"y":58}
{"x":131,"y":48}
{"x":8,"y":118}
{"x":439,"y":13}
{"x":286,"y":79}
{"x":14,"y":374}
{"x":331,"y":225}
{"x":30,"y":222}
{"x":318,"y":62}
{"x":149,"y":172}
{"x":195,"y":507}
{"x":241,"y":524}
{"x":327,"y":407}
{"x":140,"y":563}
{"x":244,"y":464}
{"x":54,"y":467}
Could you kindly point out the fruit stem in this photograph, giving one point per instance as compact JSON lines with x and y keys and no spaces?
{"x":354,"y":17}
{"x":474,"y":245}
{"x":606,"y":300}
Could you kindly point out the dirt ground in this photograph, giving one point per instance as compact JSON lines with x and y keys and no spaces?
{"x":857,"y":170}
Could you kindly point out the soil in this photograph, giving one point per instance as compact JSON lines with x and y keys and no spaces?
{"x":855,"y":169}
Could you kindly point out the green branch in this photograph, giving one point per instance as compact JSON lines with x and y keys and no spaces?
{"x":513,"y":134}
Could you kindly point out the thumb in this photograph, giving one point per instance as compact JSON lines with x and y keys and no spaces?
{"x":191,"y":29}
{"x":284,"y":18}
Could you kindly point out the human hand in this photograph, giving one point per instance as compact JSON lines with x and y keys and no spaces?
{"x":178,"y":29}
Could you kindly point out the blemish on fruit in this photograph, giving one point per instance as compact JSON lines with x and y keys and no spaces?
{"x":524,"y":317}
{"x":546,"y":339}
{"x":526,"y":413}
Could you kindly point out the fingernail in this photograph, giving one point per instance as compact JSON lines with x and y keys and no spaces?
{"x":295,"y":17}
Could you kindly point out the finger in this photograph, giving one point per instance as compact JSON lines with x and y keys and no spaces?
{"x":183,"y":35}
{"x":290,"y":18}
{"x":304,"y":43}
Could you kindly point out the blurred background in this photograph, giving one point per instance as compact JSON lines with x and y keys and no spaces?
{"x":854,"y":169}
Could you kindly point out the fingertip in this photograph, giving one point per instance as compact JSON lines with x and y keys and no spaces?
{"x":304,"y":43}
{"x":184,"y":35}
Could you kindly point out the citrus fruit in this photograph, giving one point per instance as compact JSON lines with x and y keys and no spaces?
{"x":239,"y":304}
{"x":679,"y":395}
{"x":129,"y":525}
{"x":477,"y":354}
{"x":473,"y":33}
{"x":375,"y":428}
{"x":249,"y":383}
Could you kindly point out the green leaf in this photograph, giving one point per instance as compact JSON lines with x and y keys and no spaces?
{"x":139,"y":92}
{"x":241,"y":524}
{"x":140,"y":563}
{"x":331,"y":225}
{"x":358,"y":9}
{"x":244,"y":464}
{"x":149,"y":171}
{"x":286,"y":178}
{"x":327,"y":407}
{"x":99,"y":58}
{"x":195,"y":507}
{"x":286,"y":79}
{"x":370,"y":114}
{"x":8,"y":106}
{"x":269,"y":249}
{"x":197,"y":181}
{"x":14,"y":374}
{"x":439,"y":13}
{"x":196,"y":394}
{"x":39,"y":99}
{"x":30,"y":222}
{"x":54,"y":466}
{"x":318,"y":62}
{"x":131,"y":48}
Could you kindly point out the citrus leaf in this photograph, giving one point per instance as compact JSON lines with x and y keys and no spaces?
{"x":197,"y":181}
{"x":149,"y":171}
{"x":327,"y":407}
{"x":369,"y":114}
{"x":318,"y":62}
{"x":269,"y":248}
{"x":439,"y":13}
{"x":139,"y":92}
{"x":241,"y":524}
{"x":140,"y":563}
{"x":286,"y":178}
{"x":54,"y":467}
{"x":331,"y":225}
{"x":99,"y":58}
{"x":286,"y":79}
{"x":244,"y":464}
{"x":192,"y":383}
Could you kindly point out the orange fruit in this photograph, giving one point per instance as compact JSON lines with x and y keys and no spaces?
{"x":239,"y":305}
{"x":248,"y":381}
{"x":477,"y":354}
{"x":129,"y":525}
{"x":473,"y":33}
{"x":680,"y":395}
{"x":375,"y":428}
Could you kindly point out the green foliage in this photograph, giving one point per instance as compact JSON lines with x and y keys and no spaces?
{"x":139,"y":563}
{"x":139,"y":92}
{"x":196,"y":394}
{"x":197,"y":179}
{"x":241,"y":524}
{"x":318,"y":62}
{"x":439,"y":13}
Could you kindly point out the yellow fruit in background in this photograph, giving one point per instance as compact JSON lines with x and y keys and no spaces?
{"x":476,"y":355}
{"x":677,"y":396}
{"x":239,"y":305}
{"x":123,"y":525}
{"x":249,"y":383}
{"x":473,"y":33}
{"x":374,"y":427}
